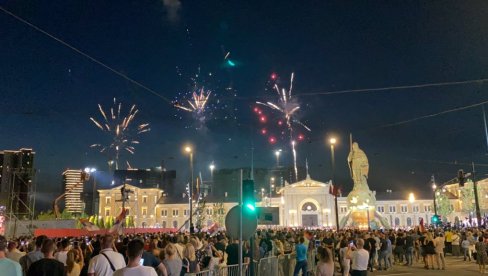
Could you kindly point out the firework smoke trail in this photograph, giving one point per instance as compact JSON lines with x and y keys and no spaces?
{"x":287,"y":108}
{"x":120,"y":129}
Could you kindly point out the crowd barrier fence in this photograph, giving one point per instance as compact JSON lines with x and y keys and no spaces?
{"x":283,"y":265}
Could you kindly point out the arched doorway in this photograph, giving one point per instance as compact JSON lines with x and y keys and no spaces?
{"x":310,"y":216}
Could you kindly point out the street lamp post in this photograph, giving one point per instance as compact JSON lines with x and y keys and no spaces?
{"x":332,"y":142}
{"x":189,"y":150}
{"x":434,"y":189}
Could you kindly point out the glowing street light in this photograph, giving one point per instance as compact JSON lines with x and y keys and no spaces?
{"x":90,"y":170}
{"x":188,"y":149}
{"x":278,"y":153}
{"x":333,"y":141}
{"x":212,"y":168}
{"x":411,"y":198}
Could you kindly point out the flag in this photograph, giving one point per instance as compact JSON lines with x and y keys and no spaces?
{"x":422,"y":227}
{"x":88,"y":225}
{"x":334,"y":190}
{"x":117,"y":227}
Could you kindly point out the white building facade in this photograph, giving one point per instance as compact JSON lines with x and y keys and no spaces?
{"x":307,"y":203}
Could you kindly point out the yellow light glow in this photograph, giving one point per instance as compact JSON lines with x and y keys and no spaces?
{"x":411,"y":197}
{"x":333,"y":141}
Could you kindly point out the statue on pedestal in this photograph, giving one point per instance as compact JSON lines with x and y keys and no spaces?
{"x":361,"y":200}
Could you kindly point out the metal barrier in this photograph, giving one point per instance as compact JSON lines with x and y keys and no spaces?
{"x":268,"y":266}
{"x":271,"y":266}
{"x":232,"y":270}
{"x":201,"y":273}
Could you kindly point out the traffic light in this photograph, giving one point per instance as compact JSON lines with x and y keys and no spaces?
{"x":248,"y":200}
{"x":436,"y":219}
{"x":461,"y":178}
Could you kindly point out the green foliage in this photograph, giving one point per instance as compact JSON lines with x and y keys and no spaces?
{"x":66,"y":215}
{"x":49,"y":215}
{"x":201,"y":214}
{"x":444,"y":207}
{"x":108,"y":222}
{"x":131,"y":222}
{"x":101,"y":223}
{"x":467,"y":197}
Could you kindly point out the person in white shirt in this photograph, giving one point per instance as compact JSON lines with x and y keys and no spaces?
{"x":62,"y":255}
{"x":108,"y":261}
{"x":456,"y":240}
{"x":13,"y":253}
{"x":439,"y":251}
{"x":135,"y":248}
{"x":359,"y":257}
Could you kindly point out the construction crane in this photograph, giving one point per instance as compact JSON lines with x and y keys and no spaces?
{"x":57,"y":214}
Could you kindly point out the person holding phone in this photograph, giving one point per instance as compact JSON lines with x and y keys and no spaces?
{"x":359,"y":257}
{"x":134,"y":267}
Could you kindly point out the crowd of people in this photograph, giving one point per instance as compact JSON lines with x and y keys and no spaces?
{"x":323,"y":252}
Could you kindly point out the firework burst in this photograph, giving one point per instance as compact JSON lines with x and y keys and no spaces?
{"x":197,"y":103}
{"x":119,"y":128}
{"x":287,"y":108}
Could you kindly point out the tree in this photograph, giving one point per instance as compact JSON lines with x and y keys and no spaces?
{"x":49,"y":215}
{"x":467,"y":197}
{"x":200,"y":211}
{"x":444,"y":207}
{"x":101,"y":223}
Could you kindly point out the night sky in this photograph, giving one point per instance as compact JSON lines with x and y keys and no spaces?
{"x":49,"y":91}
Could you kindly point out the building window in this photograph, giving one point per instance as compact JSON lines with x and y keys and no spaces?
{"x":164,"y":213}
{"x":220,"y":211}
{"x":343,"y":210}
{"x":186,"y":212}
{"x":144,"y":211}
{"x":164,"y":224}
{"x":404,"y":208}
{"x":175,"y":224}
{"x":107,"y":212}
{"x":415,"y":208}
{"x":107,"y":200}
{"x":392,"y":209}
{"x":209,"y":212}
{"x":175,"y":212}
{"x":381,"y":209}
{"x":144,"y":199}
{"x":427,"y":208}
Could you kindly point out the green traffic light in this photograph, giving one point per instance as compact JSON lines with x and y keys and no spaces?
{"x":250,"y":207}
